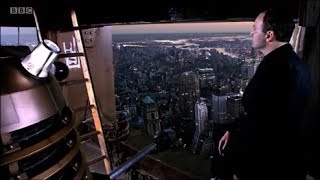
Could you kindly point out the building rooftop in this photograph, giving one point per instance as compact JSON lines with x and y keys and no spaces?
{"x":148,"y":100}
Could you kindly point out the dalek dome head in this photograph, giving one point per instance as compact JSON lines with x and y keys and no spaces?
{"x":29,"y":91}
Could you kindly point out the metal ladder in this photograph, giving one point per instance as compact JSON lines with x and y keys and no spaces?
{"x":91,"y":94}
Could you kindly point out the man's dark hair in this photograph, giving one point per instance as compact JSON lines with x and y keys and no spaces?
{"x":280,"y":22}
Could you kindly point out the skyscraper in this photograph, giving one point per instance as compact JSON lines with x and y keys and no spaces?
{"x":150,"y":115}
{"x":201,"y":117}
{"x":189,"y":93}
{"x":234,"y":107}
{"x":206,"y":77}
{"x":219,"y":106}
{"x":248,"y":69}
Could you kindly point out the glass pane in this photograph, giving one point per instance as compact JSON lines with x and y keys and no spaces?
{"x":9,"y":36}
{"x":28,"y":36}
{"x":14,"y":36}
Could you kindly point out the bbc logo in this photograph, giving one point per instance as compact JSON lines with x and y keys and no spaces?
{"x":21,"y":10}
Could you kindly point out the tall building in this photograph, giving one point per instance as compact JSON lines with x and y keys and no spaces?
{"x":206,"y":77}
{"x":248,"y":69}
{"x":189,"y":93}
{"x":201,"y":118}
{"x":123,"y":115}
{"x":243,"y":85}
{"x":151,"y":116}
{"x":234,"y":107}
{"x":219,"y":107}
{"x":132,"y":108}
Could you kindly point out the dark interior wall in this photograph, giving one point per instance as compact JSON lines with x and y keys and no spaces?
{"x":53,"y":13}
{"x":309,"y":18}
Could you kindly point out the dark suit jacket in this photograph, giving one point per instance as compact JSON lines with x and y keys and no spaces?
{"x":274,"y":101}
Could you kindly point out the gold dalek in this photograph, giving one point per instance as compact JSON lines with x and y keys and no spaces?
{"x":38,"y":137}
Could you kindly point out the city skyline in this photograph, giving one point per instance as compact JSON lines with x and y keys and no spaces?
{"x":196,"y":27}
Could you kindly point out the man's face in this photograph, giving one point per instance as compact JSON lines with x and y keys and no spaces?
{"x":258,"y":36}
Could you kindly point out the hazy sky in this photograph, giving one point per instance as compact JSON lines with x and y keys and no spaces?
{"x":161,"y":28}
{"x":14,"y":30}
{"x":183,"y":28}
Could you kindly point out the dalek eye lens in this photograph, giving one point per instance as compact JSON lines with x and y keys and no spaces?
{"x":51,"y":45}
{"x":66,"y":114}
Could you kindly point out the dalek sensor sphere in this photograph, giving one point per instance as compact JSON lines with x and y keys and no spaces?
{"x":38,"y":138}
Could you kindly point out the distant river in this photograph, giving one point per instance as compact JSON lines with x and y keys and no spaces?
{"x":223,"y":51}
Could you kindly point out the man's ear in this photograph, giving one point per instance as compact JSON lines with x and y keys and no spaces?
{"x":270,"y":36}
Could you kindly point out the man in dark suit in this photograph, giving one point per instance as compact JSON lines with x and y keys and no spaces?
{"x":274,"y":102}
